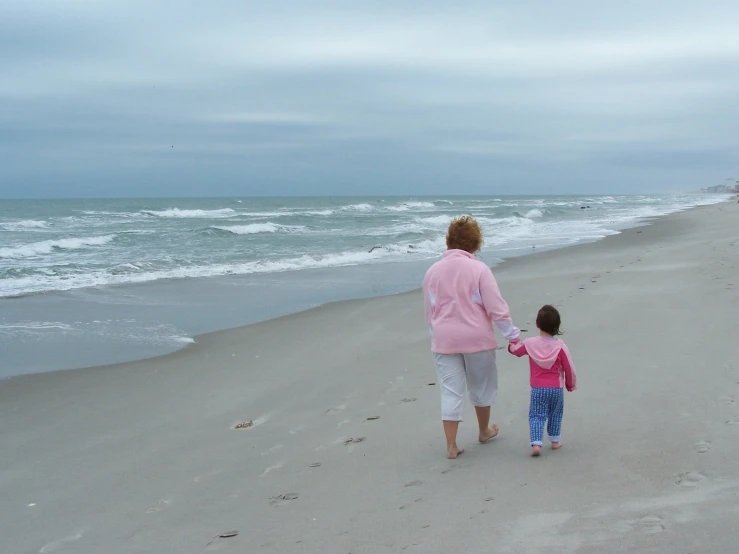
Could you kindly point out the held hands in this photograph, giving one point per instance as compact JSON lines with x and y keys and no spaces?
{"x":512,"y":343}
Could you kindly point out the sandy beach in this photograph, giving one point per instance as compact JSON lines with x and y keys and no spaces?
{"x":346,"y":453}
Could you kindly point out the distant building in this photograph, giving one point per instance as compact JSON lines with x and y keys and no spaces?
{"x":721,"y":189}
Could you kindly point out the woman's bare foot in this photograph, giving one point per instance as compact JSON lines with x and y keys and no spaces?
{"x":536,"y":451}
{"x":452,"y":453}
{"x":489,"y":434}
{"x":556,"y":446}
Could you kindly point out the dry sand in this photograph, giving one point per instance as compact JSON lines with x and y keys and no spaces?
{"x":142,"y":457}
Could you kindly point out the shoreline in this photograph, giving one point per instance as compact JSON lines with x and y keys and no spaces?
{"x":499,"y":266}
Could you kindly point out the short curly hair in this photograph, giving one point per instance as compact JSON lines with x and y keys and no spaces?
{"x":464,"y":234}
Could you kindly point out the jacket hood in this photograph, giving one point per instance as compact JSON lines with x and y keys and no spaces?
{"x":543,"y":350}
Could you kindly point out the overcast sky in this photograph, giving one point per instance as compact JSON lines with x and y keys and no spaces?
{"x":192,"y":98}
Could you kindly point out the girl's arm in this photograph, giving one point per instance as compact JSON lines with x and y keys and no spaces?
{"x":496,"y":307}
{"x":569,"y":368}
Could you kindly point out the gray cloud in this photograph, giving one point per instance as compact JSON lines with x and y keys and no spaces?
{"x":132,"y":98}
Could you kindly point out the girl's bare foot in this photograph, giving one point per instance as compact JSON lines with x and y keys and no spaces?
{"x":536,"y":451}
{"x":453,"y":452}
{"x":556,"y":445}
{"x":489,"y":434}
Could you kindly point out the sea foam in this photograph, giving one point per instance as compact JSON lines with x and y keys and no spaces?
{"x":48,"y":246}
{"x":176,"y":212}
{"x":24,"y":225}
{"x":255,"y":228}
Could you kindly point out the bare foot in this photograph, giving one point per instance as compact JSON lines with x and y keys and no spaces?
{"x":556,"y":446}
{"x":489,"y":434}
{"x":452,"y":453}
{"x":536,"y":451}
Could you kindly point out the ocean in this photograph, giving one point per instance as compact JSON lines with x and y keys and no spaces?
{"x":87,"y":282}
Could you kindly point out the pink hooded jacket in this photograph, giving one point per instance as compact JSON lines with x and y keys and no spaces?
{"x":462,"y":302}
{"x":550,"y":362}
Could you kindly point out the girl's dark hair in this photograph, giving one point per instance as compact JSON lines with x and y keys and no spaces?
{"x":548,"y":320}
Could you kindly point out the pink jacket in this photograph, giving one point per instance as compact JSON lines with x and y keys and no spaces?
{"x":550,"y":362}
{"x":462,"y":302}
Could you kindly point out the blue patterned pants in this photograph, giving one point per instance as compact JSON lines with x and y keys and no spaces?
{"x":547,"y":407}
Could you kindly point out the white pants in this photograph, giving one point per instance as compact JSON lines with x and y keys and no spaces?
{"x":478,"y":371}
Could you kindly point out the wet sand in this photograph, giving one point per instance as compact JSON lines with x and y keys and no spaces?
{"x":346,"y":452}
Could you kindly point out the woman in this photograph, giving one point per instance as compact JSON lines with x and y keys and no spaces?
{"x":462,"y":302}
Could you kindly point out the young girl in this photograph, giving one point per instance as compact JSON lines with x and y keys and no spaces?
{"x":551,"y":369}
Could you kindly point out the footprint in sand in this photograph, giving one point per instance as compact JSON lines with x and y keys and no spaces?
{"x":408,"y":400}
{"x":272,"y":450}
{"x":689,"y":479}
{"x":56,"y":545}
{"x":336,"y":410}
{"x":278,"y":465}
{"x":702,"y":447}
{"x":208,"y":475}
{"x":406,"y":506}
{"x":216,"y":544}
{"x":413,"y":484}
{"x":652,"y":524}
{"x":217,"y":541}
{"x":733,"y":421}
{"x":283,"y":498}
{"x":726,"y":400}
{"x":159,"y":506}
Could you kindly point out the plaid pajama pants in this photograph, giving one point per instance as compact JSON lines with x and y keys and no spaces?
{"x":547,"y":407}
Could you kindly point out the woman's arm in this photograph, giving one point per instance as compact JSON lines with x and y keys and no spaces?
{"x":427,"y":301}
{"x":496,"y":307}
